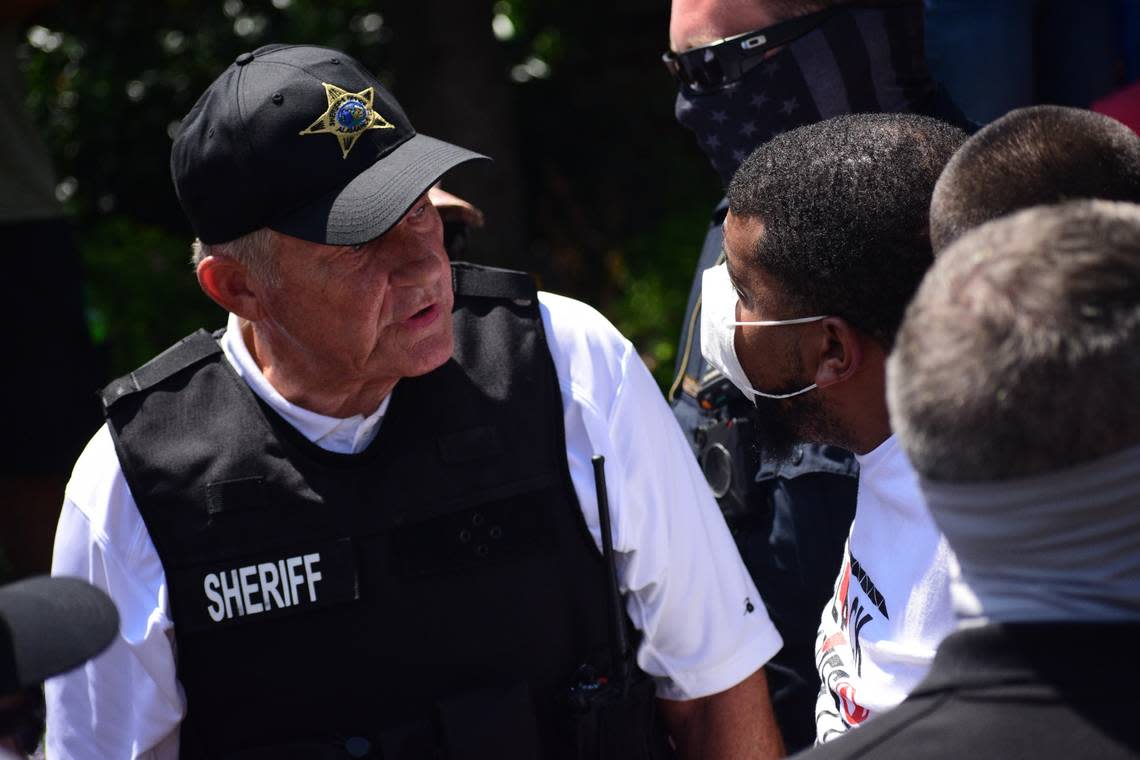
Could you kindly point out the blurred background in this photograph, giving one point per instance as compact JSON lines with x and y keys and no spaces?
{"x":594,"y":187}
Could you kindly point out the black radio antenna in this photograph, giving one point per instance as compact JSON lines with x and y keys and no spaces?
{"x":619,"y":639}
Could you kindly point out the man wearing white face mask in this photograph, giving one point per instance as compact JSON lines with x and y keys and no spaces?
{"x":826,"y":240}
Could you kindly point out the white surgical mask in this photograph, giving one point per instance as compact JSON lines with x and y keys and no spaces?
{"x":718,"y":331}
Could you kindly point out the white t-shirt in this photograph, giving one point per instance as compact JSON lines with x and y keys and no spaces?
{"x":685,"y":586}
{"x":891,"y":606}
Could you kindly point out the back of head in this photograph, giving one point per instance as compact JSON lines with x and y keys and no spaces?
{"x":1020,"y":353}
{"x":844,"y":205}
{"x":1032,"y":157}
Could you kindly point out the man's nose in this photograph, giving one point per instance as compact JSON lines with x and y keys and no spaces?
{"x":417,"y":269}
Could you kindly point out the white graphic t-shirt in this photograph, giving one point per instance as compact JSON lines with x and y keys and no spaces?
{"x":891,"y":606}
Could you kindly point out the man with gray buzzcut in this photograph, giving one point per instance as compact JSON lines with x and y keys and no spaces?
{"x":1013,"y":390}
{"x":1041,"y":330}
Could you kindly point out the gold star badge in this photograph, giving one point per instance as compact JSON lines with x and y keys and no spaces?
{"x":348,"y":116}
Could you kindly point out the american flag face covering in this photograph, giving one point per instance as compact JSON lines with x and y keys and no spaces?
{"x":860,"y":60}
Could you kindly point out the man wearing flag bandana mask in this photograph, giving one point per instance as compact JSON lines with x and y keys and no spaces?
{"x":747,"y":71}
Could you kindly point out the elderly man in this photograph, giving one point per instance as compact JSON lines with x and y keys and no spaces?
{"x":825,"y":243}
{"x":1013,"y":390}
{"x":361,"y":521}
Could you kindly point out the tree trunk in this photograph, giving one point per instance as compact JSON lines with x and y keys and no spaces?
{"x":450,"y":74}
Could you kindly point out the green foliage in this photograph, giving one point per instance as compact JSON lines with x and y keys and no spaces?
{"x":109,"y":83}
{"x":614,"y":195}
{"x":141,"y":290}
{"x":653,"y":279}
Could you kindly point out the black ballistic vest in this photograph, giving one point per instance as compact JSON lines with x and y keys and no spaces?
{"x":435,"y":595}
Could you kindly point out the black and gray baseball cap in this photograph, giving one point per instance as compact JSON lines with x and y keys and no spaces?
{"x":305,"y":141}
{"x":49,"y":626}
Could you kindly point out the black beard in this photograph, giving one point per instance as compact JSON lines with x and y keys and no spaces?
{"x":783,"y":423}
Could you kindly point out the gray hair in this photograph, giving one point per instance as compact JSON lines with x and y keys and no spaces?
{"x":1021,"y":351}
{"x":254,"y":251}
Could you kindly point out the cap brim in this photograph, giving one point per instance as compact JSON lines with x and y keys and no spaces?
{"x":378,"y":197}
{"x":53,"y":625}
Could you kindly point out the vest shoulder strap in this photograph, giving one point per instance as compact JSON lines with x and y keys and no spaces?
{"x":475,"y":281}
{"x":185,"y":353}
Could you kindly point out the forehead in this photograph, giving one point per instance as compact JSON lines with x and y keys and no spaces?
{"x":693,"y":23}
{"x":741,"y":234}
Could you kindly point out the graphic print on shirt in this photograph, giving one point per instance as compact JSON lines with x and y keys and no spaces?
{"x":839,"y":655}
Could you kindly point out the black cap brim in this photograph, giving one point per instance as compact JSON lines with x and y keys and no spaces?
{"x":378,"y":197}
{"x":49,"y":626}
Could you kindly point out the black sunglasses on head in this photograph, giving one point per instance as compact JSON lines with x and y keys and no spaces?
{"x":717,"y":65}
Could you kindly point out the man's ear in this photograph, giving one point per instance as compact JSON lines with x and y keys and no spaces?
{"x":231,"y":286}
{"x":839,"y":350}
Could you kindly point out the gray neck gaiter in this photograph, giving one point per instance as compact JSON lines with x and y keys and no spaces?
{"x":1058,"y":547}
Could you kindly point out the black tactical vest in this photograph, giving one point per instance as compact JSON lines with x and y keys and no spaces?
{"x":435,"y":595}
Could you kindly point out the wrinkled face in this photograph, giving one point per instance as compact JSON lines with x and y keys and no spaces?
{"x":371,"y":313}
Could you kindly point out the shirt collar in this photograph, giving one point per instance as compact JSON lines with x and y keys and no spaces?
{"x":343,"y":435}
{"x":1024,"y":653}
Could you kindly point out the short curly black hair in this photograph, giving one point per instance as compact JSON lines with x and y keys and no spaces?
{"x":844,"y":207}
